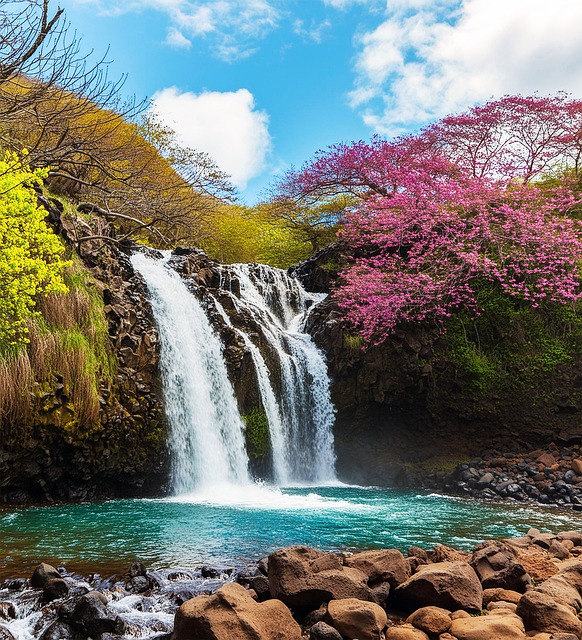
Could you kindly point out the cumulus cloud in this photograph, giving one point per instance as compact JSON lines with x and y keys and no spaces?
{"x":432,"y":57}
{"x":233,"y":24}
{"x":177,"y":39}
{"x":226,"y":125}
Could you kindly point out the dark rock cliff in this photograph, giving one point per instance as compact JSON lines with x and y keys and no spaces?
{"x":407,"y":414}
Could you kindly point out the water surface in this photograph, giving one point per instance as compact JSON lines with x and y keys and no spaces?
{"x":230,"y":526}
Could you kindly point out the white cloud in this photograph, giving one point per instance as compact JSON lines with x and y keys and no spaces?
{"x":315,"y":31}
{"x":225,"y":125}
{"x":177,"y":39}
{"x":432,"y":57}
{"x":234,"y":24}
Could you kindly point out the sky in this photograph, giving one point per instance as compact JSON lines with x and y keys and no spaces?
{"x":261,"y":85}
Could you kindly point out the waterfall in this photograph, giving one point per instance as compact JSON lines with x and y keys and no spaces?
{"x":207,"y":442}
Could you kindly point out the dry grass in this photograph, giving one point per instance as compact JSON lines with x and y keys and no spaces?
{"x":16,"y":382}
{"x":66,"y":311}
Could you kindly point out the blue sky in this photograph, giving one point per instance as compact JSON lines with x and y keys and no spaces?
{"x":263,"y":84}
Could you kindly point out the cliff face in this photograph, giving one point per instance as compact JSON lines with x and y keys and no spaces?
{"x":408,"y":412}
{"x":125,"y":453}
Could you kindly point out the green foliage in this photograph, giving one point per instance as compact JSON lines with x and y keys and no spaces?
{"x":31,"y":261}
{"x":242,"y":234}
{"x":511,"y":344}
{"x":257,"y":433}
{"x":352,"y":340}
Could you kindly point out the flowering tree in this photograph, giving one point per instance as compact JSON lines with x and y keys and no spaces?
{"x":435,"y":223}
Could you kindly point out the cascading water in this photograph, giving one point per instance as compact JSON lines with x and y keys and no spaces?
{"x":206,"y":443}
{"x":206,"y":429}
{"x":301,"y":427}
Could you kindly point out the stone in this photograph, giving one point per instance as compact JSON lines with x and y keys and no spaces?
{"x":54,"y":588}
{"x":304,"y":577}
{"x":506,"y":595}
{"x":496,"y":565}
{"x":558,"y":550}
{"x":357,"y":619}
{"x":7,"y":611}
{"x":547,"y":460}
{"x":431,"y":620}
{"x":500,"y":605}
{"x":577,"y":466}
{"x":417,"y":552}
{"x":41,"y":574}
{"x":507,"y":627}
{"x":323,"y":631}
{"x":136,"y":569}
{"x":573,"y":536}
{"x":385,"y":565}
{"x":90,"y":616}
{"x":233,"y":613}
{"x":405,"y":632}
{"x":459,"y":614}
{"x":450,"y":585}
{"x":5,"y":634}
{"x":541,"y":612}
{"x":58,"y":631}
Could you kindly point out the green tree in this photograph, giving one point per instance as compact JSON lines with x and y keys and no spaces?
{"x":31,"y":254}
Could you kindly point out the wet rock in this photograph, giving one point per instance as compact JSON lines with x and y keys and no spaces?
{"x":54,"y":588}
{"x":58,"y":631}
{"x":42,"y":573}
{"x":356,"y":619}
{"x":90,"y":615}
{"x":323,"y":631}
{"x":5,"y":634}
{"x":139,"y":584}
{"x":449,"y":585}
{"x":209,"y":572}
{"x":7,"y":611}
{"x":304,"y":577}
{"x":232,"y":613}
{"x":136,"y":569}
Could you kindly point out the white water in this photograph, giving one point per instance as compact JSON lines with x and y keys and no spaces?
{"x":301,"y":432}
{"x":207,"y":444}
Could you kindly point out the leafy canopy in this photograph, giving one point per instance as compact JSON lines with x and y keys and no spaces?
{"x":30,"y":253}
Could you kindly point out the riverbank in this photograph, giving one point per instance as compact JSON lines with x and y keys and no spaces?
{"x":524,"y":587}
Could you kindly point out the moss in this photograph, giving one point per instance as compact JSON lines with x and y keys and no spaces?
{"x":352,"y":340}
{"x":257,"y":433}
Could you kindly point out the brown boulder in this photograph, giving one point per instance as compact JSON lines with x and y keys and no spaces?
{"x":357,"y":619}
{"x":42,"y":574}
{"x":431,"y":620}
{"x":405,"y":632}
{"x":450,"y":585}
{"x":233,"y":613}
{"x":496,"y":565}
{"x":304,"y":577}
{"x":577,"y":466}
{"x":573,"y":536}
{"x":505,"y":595}
{"x":541,"y":612}
{"x":507,"y":627}
{"x":385,"y":565}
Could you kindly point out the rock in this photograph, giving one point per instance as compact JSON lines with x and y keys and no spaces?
{"x":304,"y":577}
{"x":136,"y":569}
{"x":7,"y":611}
{"x":501,"y":605}
{"x":385,"y":565}
{"x":405,"y":632}
{"x":322,"y":631}
{"x":541,"y":612}
{"x":54,"y":588}
{"x":442,"y":553}
{"x":574,"y":536}
{"x":577,"y":466}
{"x":431,"y":620}
{"x":43,"y":573}
{"x":233,"y":613}
{"x":209,"y":572}
{"x":356,"y":619}
{"x":450,"y":585}
{"x":565,"y":587}
{"x":138,"y":584}
{"x":5,"y":634}
{"x":558,"y":550}
{"x":505,"y":595}
{"x":456,"y":615}
{"x":319,"y":615}
{"x":546,"y":459}
{"x":495,"y":564}
{"x":381,"y":593}
{"x":90,"y":616}
{"x":58,"y":631}
{"x":507,"y":627}
{"x":417,"y":552}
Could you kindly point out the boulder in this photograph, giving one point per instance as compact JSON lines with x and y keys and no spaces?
{"x":41,"y":574}
{"x":304,"y":577}
{"x":58,"y":631}
{"x":7,"y":611}
{"x":574,"y":536}
{"x":357,"y":619}
{"x":323,"y":631}
{"x":233,"y":613}
{"x":431,"y":620}
{"x":385,"y":565}
{"x":506,"y":627}
{"x":405,"y":632}
{"x":450,"y":585}
{"x":542,"y":612}
{"x":88,"y":614}
{"x":496,"y":565}
{"x":5,"y":634}
{"x":505,"y":595}
{"x":54,"y":588}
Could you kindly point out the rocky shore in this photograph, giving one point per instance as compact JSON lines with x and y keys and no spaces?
{"x":512,"y":589}
{"x":552,"y":477}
